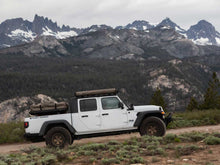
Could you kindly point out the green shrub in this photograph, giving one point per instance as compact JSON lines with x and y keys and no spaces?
{"x":113,"y":142}
{"x":195,"y":118}
{"x":193,"y":136}
{"x":137,"y":160}
{"x":11,"y":132}
{"x":169,"y":138}
{"x":2,"y":163}
{"x":94,"y":146}
{"x":212,"y":140}
{"x":155,"y":159}
{"x":186,"y":150}
{"x":110,"y":161}
{"x":48,"y":159}
{"x":92,"y":160}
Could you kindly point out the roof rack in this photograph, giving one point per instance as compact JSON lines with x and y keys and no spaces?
{"x":99,"y":92}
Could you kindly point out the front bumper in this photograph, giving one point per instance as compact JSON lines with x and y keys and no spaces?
{"x":168,"y":119}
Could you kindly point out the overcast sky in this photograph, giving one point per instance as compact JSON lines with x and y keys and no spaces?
{"x":84,"y":13}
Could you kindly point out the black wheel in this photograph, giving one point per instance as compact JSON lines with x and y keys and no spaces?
{"x":58,"y":137}
{"x":152,"y":126}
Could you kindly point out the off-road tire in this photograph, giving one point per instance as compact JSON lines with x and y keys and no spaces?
{"x":152,"y":126}
{"x":58,"y":137}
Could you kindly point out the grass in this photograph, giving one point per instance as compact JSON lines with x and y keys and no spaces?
{"x":11,"y":132}
{"x":195,"y":118}
{"x":131,"y":151}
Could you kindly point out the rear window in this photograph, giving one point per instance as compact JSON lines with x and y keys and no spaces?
{"x":88,"y":105}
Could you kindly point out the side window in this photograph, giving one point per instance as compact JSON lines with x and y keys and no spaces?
{"x":88,"y":105}
{"x":73,"y":105}
{"x":110,"y":103}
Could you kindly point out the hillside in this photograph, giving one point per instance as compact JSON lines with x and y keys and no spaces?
{"x":60,"y":77}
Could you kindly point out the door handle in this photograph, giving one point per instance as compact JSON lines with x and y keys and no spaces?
{"x":104,"y":114}
{"x":85,"y":116}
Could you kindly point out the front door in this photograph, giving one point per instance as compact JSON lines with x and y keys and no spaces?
{"x":112,"y":115}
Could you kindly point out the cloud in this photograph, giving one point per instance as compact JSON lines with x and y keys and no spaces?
{"x":83,"y":13}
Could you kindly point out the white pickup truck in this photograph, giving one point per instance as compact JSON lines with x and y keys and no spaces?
{"x":94,"y":113}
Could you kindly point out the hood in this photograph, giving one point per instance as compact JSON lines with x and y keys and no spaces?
{"x":143,"y":108}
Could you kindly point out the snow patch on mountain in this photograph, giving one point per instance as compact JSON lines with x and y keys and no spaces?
{"x":92,"y":30}
{"x":60,"y":34}
{"x":202,"y":41}
{"x":6,"y":46}
{"x":217,"y":40}
{"x":25,"y":35}
{"x":165,"y":27}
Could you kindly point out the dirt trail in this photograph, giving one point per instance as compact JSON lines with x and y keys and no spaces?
{"x":16,"y":147}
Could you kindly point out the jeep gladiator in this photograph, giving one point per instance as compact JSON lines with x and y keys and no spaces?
{"x":94,"y":113}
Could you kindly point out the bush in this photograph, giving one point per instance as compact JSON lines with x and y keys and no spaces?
{"x":110,"y":161}
{"x":193,"y":136}
{"x":186,"y":150}
{"x":11,"y":132}
{"x":212,"y":140}
{"x":195,"y":118}
{"x":137,"y":160}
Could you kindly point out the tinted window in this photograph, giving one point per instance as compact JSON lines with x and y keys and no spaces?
{"x":110,"y":103}
{"x":88,"y":105}
{"x":73,"y":105}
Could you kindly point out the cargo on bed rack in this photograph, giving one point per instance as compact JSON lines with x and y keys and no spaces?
{"x":49,"y":108}
{"x":100,"y":92}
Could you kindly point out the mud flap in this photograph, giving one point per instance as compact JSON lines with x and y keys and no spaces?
{"x":168,"y":119}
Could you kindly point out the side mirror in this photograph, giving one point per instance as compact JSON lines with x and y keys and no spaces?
{"x":131,"y":107}
{"x":121,"y":105}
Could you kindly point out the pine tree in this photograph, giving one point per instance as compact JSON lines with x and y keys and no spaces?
{"x":211,"y":97}
{"x":193,"y":104}
{"x":157,"y":99}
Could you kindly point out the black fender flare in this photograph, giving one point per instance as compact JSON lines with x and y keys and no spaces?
{"x":142,"y":115}
{"x":55,"y":123}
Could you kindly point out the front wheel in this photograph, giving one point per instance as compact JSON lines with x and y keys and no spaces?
{"x":152,"y":126}
{"x":58,"y":137}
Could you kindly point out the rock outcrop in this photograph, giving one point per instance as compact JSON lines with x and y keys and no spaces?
{"x":17,"y":109}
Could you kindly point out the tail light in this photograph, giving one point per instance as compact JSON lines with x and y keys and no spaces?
{"x":26,"y":124}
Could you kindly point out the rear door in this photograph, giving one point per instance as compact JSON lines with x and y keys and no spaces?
{"x":112,"y":115}
{"x":89,"y":114}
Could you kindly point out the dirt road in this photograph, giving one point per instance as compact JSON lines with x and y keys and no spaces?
{"x":16,"y":147}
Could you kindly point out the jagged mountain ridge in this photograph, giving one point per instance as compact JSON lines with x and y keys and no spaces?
{"x":137,"y":25}
{"x":204,"y":33}
{"x":158,"y":43}
{"x":18,"y":31}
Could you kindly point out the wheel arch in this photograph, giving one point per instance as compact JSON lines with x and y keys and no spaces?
{"x":56,"y":123}
{"x":143,"y":115}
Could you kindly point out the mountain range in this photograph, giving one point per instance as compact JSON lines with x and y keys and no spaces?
{"x":19,"y":31}
{"x":136,"y":58}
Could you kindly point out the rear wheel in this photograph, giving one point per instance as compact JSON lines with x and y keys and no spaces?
{"x":58,"y":137}
{"x":152,"y":126}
